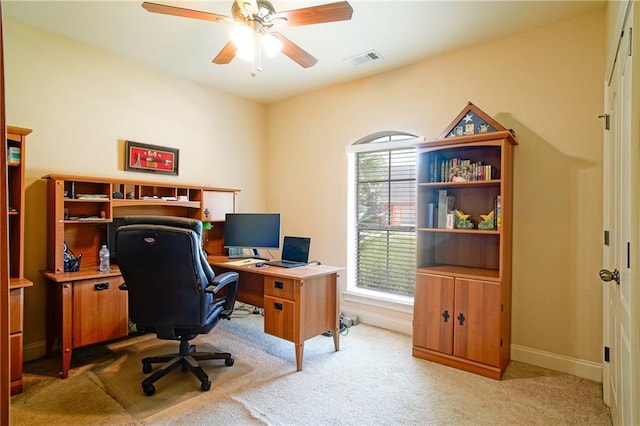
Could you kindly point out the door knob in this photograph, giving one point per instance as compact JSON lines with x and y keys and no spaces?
{"x":607,"y":276}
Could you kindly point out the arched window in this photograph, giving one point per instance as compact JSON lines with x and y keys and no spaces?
{"x":382,"y":213}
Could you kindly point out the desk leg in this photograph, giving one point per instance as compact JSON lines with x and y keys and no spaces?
{"x":336,"y":339}
{"x":67,"y":323}
{"x":299,"y":355}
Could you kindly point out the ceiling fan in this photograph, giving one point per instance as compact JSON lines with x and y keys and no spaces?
{"x":257,"y":19}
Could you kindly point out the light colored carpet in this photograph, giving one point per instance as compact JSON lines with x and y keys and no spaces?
{"x":121,"y":376}
{"x":372,"y":380}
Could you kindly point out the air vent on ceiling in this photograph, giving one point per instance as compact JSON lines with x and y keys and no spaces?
{"x":369,"y":56}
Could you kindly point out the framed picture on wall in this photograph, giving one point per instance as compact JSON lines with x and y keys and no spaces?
{"x":140,"y":157}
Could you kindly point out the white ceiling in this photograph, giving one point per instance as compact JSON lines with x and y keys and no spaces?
{"x":402,"y":32}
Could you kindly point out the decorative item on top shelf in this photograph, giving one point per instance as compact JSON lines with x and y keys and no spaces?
{"x":471,"y":124}
{"x":462,"y":220}
{"x":488,"y":221}
{"x":146,"y":158}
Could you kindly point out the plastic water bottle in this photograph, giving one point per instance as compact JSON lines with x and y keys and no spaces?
{"x":104,"y":259}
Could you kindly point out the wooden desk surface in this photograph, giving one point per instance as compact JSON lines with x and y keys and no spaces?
{"x":301,"y":272}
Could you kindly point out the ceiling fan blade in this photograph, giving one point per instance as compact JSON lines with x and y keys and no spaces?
{"x":186,"y":13}
{"x":295,"y":52}
{"x":340,"y":11}
{"x":226,"y":55}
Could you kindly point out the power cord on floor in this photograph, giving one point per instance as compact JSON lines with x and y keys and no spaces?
{"x":344,"y":328}
{"x":243,"y":310}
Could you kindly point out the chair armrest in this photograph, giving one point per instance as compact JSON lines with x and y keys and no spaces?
{"x":228,"y":280}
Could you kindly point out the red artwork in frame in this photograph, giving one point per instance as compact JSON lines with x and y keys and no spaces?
{"x":147,"y":158}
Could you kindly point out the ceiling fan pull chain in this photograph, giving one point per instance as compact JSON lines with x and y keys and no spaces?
{"x":257,"y":66}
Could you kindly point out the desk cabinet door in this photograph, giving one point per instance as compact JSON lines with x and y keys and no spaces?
{"x":279,"y":317}
{"x":99,"y":311}
{"x":215,"y":205}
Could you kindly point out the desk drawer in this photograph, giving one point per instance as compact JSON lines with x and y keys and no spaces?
{"x":279,"y":287}
{"x":99,"y":311}
{"x":279,"y":317}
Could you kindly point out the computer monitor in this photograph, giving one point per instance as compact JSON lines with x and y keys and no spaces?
{"x":252,"y":231}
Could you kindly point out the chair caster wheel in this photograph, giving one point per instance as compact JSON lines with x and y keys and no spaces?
{"x":149,"y":389}
{"x":146,"y":368}
{"x":228,"y":362}
{"x":205,"y":386}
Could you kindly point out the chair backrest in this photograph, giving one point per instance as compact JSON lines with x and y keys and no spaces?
{"x":165,"y":272}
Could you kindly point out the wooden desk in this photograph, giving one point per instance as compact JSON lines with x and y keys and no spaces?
{"x":299,"y":303}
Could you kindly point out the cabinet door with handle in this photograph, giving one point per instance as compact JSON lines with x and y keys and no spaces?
{"x":215,"y":204}
{"x":433,"y":315}
{"x":477,"y":321}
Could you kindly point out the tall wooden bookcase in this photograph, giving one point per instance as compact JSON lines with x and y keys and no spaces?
{"x":16,"y":144}
{"x":462,"y":305}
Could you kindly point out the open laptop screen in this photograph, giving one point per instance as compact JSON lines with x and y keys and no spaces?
{"x":296,"y":249}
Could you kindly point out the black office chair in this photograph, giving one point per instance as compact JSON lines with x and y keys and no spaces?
{"x":172,"y":290}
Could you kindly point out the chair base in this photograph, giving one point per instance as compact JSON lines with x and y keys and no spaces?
{"x":187,"y":359}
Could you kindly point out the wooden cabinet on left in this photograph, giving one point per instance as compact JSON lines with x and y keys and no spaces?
{"x":16,"y":144}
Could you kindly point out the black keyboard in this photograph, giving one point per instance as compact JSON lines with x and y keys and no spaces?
{"x":285,"y":263}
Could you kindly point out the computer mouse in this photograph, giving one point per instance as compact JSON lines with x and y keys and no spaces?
{"x":259,"y":264}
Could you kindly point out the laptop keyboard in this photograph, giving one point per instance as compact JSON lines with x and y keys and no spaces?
{"x":285,"y":263}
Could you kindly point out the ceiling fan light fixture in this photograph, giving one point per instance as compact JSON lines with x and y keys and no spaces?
{"x":246,"y":53}
{"x":242,"y":36}
{"x":272,"y":46}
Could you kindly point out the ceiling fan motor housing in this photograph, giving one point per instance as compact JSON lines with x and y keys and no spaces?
{"x":262,"y":13}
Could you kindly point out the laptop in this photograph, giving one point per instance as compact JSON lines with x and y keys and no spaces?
{"x":295,"y":252}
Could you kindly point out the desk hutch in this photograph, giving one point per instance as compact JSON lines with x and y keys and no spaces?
{"x":86,"y":306}
{"x":462,"y":304}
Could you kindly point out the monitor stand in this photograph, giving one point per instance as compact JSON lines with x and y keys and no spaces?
{"x":240,"y":254}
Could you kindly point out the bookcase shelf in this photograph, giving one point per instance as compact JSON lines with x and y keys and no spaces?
{"x":462,"y":302}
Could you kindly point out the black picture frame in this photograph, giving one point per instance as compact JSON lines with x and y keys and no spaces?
{"x":147,"y":158}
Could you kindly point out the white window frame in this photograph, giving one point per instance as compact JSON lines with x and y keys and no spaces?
{"x":353,"y":293}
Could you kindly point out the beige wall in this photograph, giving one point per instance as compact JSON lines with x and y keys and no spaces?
{"x":545,"y":84}
{"x":82,"y":103}
{"x":548,"y":86}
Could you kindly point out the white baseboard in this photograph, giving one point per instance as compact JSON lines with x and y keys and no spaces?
{"x":382,"y":321}
{"x":564,"y":364}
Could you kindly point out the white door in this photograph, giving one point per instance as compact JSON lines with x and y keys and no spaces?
{"x":617,"y":263}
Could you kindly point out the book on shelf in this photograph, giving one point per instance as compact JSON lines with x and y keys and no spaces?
{"x":457,"y":169}
{"x":442,"y":208}
{"x":431,"y":215}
